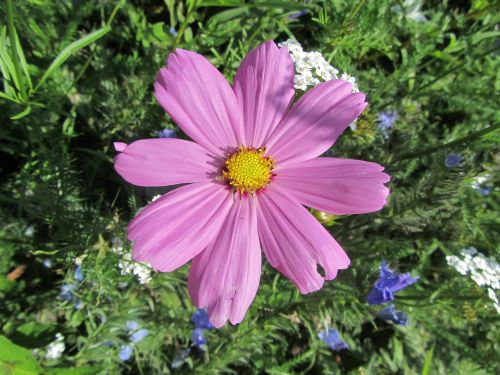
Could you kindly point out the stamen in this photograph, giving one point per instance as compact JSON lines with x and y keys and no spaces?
{"x":248,"y":170}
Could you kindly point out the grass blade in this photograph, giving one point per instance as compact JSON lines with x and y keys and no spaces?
{"x":66,"y":53}
{"x":428,"y":361}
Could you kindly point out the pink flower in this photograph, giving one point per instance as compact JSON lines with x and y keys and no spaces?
{"x":252,"y":167}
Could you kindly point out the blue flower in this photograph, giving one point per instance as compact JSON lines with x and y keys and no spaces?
{"x":66,"y":292}
{"x":78,"y":305}
{"x":386,"y":121}
{"x":198,"y":338}
{"x":453,"y":160}
{"x":388,"y":283}
{"x":47,"y":263}
{"x":397,"y":317}
{"x":484,"y":191}
{"x":131,"y":325}
{"x":200,"y":319}
{"x":166,"y":133}
{"x":180,"y":358}
{"x":172,"y":31}
{"x":332,"y":338}
{"x":125,"y":352}
{"x":298,"y":14}
{"x":78,"y":274}
{"x":139,"y":335}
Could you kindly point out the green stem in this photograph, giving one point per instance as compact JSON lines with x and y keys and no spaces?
{"x":441,"y":76}
{"x":13,"y":46}
{"x":470,"y":137}
{"x":185,"y":24}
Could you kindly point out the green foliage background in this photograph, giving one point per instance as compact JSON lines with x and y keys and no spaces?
{"x":79,"y":75}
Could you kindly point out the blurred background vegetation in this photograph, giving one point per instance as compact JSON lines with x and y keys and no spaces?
{"x":78,"y":75}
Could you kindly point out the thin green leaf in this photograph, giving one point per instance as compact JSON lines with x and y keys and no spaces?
{"x":263,"y":4}
{"x":22,"y":60}
{"x":428,"y":361}
{"x":66,"y":53}
{"x":22,"y":114}
{"x":7,"y":97}
{"x":11,"y":30}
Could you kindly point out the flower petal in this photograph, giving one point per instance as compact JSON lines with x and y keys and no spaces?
{"x":225,"y":277}
{"x":295,"y":242}
{"x":264,"y":89}
{"x":315,"y":122}
{"x":200,"y":100}
{"x":163,"y":161}
{"x":337,"y":186}
{"x":179,"y":225}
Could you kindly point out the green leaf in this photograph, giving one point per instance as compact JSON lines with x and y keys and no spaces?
{"x":7,"y":97}
{"x":428,"y":361}
{"x":283,"y":4}
{"x":22,"y":114}
{"x":66,"y":53}
{"x":34,"y":335}
{"x":188,"y":34}
{"x":476,"y":38}
{"x":22,"y":60}
{"x":73,"y":371}
{"x":16,"y":360}
{"x":229,"y":14}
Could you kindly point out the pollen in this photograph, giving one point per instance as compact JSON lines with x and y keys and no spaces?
{"x":248,"y":170}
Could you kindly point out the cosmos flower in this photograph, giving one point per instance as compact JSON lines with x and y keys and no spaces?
{"x":388,"y":283}
{"x":252,"y":167}
{"x":332,"y":338}
{"x":397,"y":317}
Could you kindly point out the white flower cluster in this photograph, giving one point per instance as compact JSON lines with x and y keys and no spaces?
{"x":56,"y":348}
{"x":483,"y":270}
{"x":311,"y":68}
{"x":128,"y":266}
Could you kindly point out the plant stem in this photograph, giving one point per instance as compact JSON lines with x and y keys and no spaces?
{"x":470,"y":137}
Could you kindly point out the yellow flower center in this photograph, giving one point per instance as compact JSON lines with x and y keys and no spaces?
{"x":247,"y":169}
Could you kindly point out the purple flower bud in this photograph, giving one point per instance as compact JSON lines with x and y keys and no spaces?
{"x":200,"y":319}
{"x":388,"y":283}
{"x":397,"y":317}
{"x":125,"y":352}
{"x":332,"y":338}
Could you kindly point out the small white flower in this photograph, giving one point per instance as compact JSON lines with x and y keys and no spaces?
{"x":311,"y":69}
{"x":128,"y":266}
{"x":56,"y":348}
{"x":482,"y":270}
{"x":410,"y":10}
{"x":29,"y":231}
{"x":351,"y":80}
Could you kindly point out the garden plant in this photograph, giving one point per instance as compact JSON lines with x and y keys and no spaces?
{"x":249,"y":187}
